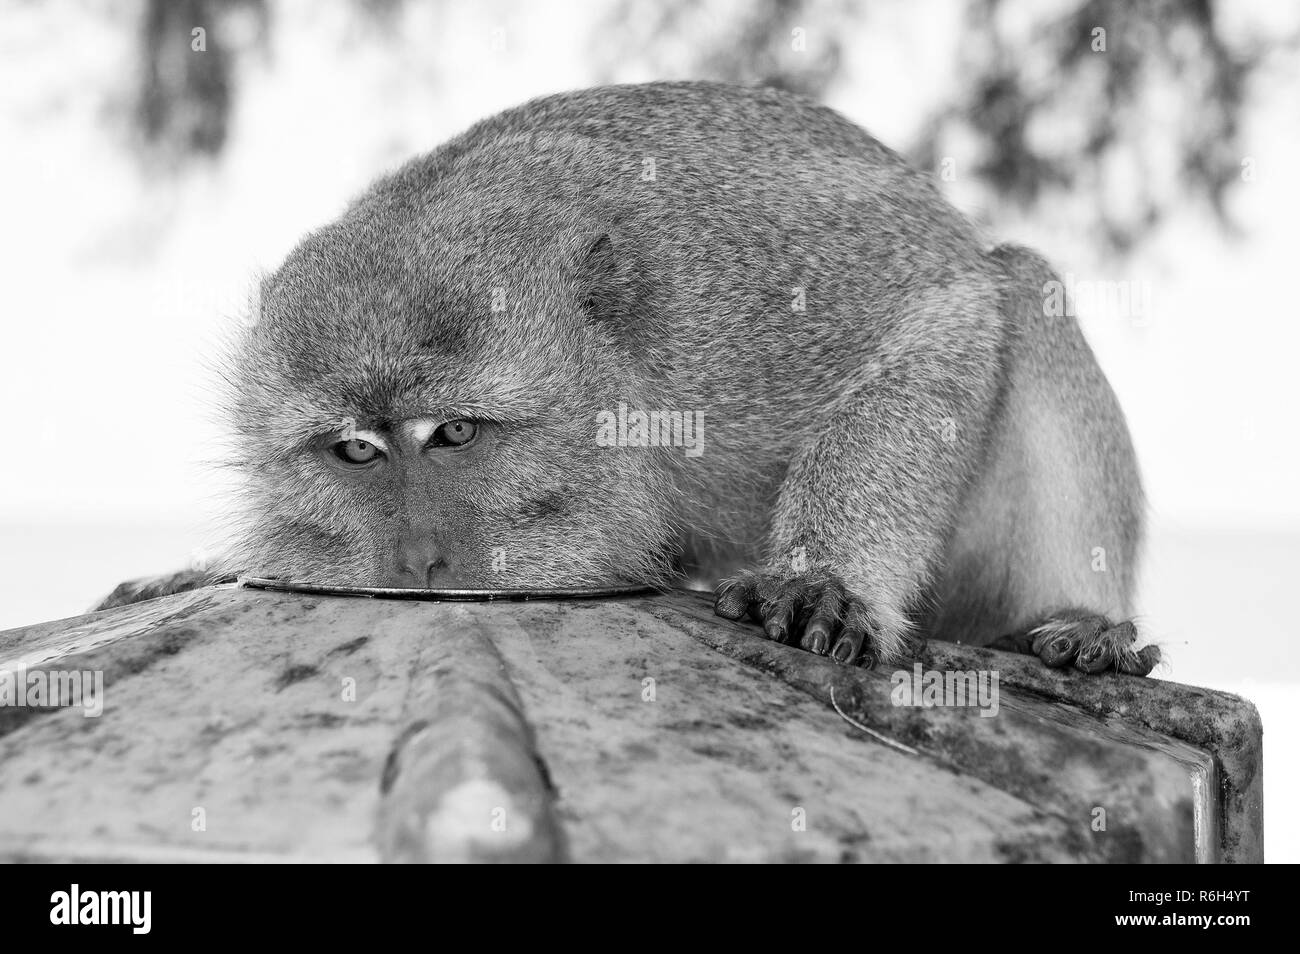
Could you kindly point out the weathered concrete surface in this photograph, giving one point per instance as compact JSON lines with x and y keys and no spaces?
{"x":466,"y":758}
{"x":636,"y":729}
{"x":1215,"y":735}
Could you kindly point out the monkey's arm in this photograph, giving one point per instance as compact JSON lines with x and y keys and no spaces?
{"x":863,"y":512}
{"x":152,"y":587}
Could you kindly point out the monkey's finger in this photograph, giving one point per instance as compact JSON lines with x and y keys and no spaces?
{"x":1121,"y":636}
{"x":822,"y":618}
{"x":849,"y":646}
{"x":1094,"y":657}
{"x":733,"y":599}
{"x":1040,"y":639}
{"x":1079,"y":630}
{"x":817,"y":634}
{"x":1102,"y":652}
{"x":778,"y":614}
{"x":1058,"y":651}
{"x":1139,"y":663}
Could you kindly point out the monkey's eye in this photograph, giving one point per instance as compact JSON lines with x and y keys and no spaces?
{"x":355,"y":452}
{"x":454,"y":434}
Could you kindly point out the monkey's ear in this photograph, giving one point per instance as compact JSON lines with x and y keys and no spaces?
{"x":601,"y":281}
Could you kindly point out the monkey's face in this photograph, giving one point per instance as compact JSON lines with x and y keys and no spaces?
{"x":457,"y":501}
{"x":434,"y":423}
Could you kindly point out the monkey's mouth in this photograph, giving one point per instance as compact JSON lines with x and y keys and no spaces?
{"x":471,"y":595}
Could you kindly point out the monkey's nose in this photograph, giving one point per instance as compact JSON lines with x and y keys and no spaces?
{"x":418,"y":561}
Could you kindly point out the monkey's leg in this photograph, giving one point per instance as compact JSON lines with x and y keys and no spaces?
{"x":1092,"y":643}
{"x":870,"y":498}
{"x":1045,"y":551}
{"x":152,"y":587}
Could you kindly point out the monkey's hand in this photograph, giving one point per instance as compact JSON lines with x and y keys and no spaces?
{"x":814,"y":610}
{"x":1086,"y":641}
{"x":152,"y":587}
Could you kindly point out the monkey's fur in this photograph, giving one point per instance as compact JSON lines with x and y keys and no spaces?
{"x":897,"y":441}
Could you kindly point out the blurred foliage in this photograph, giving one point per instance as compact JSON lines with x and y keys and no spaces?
{"x":1132,"y":152}
{"x":1044,"y":112}
{"x":184,"y":102}
{"x":1170,"y":46}
{"x":748,"y":43}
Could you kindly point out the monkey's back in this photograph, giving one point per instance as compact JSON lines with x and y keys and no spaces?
{"x":778,"y":242}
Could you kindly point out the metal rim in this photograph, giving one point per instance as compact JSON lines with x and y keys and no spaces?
{"x":400,"y":593}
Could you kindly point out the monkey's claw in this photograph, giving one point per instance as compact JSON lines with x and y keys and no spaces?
{"x":815,"y":612}
{"x":1092,"y":644}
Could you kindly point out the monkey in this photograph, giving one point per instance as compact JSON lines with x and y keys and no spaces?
{"x":482,"y":373}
